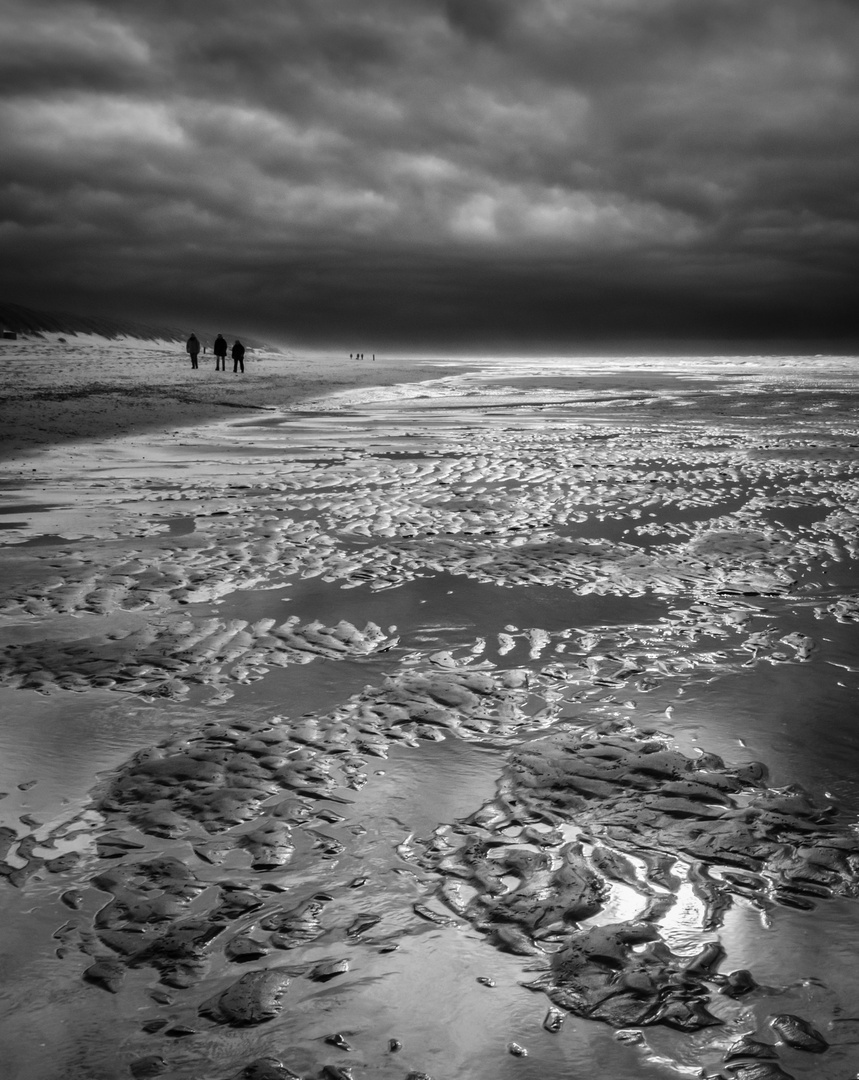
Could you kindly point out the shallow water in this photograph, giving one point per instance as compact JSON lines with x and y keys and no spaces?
{"x":666,"y":544}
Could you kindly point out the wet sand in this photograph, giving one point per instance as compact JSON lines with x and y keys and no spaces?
{"x":328,"y":730}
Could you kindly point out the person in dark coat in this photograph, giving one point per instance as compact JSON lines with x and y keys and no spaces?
{"x":238,"y":355}
{"x":220,"y":351}
{"x":193,"y":349}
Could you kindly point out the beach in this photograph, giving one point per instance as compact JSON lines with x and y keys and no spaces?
{"x":459,"y":717}
{"x":78,"y":387}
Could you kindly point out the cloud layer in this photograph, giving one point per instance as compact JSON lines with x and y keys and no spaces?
{"x":438,"y":173}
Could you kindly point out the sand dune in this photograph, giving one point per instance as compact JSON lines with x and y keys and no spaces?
{"x":32,"y":324}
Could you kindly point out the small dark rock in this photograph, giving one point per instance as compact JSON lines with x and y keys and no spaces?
{"x":244,"y":948}
{"x":553,"y":1020}
{"x":738,"y":983}
{"x":747,"y":1047}
{"x":254,"y":998}
{"x":798,"y":1033}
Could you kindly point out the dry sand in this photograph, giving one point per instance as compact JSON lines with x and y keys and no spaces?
{"x":88,"y":388}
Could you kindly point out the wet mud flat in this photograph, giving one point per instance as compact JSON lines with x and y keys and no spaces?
{"x":504,"y":726}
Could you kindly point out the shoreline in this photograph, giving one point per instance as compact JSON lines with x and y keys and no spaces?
{"x":56,"y":393}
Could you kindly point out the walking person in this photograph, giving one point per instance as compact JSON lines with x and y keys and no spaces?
{"x":220,"y":351}
{"x":193,"y":349}
{"x":238,"y":355}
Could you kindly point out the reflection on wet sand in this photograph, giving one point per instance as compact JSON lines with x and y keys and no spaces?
{"x":551,"y":689}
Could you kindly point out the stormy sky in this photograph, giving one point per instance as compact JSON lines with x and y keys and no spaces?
{"x":513,"y":175}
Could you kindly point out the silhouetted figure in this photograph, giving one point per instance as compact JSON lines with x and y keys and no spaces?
{"x":238,"y":355}
{"x":220,"y":351}
{"x":193,"y":349}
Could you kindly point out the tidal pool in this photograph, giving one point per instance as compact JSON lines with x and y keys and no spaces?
{"x":323,"y":736}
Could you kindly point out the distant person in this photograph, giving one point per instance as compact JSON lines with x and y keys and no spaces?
{"x":193,"y":349}
{"x":220,"y":351}
{"x":238,"y":355}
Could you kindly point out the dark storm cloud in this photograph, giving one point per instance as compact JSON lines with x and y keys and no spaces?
{"x":450,"y":171}
{"x":86,"y":52}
